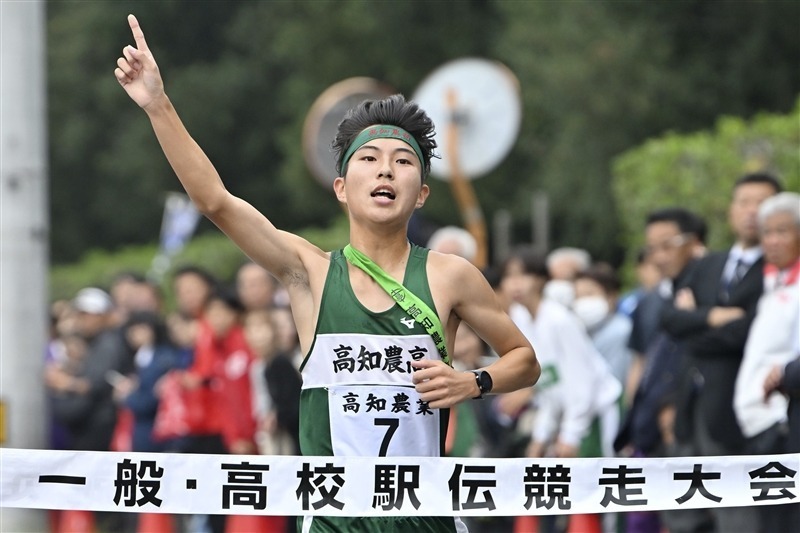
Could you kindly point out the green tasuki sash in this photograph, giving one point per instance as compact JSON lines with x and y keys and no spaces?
{"x":407,"y":300}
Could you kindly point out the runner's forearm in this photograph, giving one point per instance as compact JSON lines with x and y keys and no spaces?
{"x":517,"y":369}
{"x":193,"y":168}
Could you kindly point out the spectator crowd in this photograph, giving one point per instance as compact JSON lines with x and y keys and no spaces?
{"x":700,"y":358}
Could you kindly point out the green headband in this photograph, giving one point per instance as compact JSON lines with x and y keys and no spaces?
{"x":382,"y":131}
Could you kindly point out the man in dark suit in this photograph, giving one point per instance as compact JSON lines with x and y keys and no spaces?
{"x":675,"y":238}
{"x":712,"y":314}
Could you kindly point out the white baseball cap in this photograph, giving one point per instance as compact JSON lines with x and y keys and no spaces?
{"x":93,"y":301}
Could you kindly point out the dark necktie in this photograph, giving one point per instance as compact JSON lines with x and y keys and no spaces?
{"x":736,"y":276}
{"x":738,"y":272}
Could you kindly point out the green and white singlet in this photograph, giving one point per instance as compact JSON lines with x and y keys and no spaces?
{"x":358,"y":398}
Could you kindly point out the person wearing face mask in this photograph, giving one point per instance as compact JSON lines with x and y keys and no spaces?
{"x":596,"y":293}
{"x":576,"y":398}
{"x":576,"y":386}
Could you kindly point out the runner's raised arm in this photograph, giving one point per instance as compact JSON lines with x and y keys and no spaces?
{"x":278,"y":251}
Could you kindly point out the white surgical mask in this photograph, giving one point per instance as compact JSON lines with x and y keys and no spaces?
{"x":560,"y":290}
{"x":591,"y":310}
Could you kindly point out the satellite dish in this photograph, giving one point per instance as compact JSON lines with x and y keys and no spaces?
{"x":482,"y":98}
{"x":475,"y":105}
{"x":323,"y":119}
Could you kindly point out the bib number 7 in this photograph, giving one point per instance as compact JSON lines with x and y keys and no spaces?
{"x":391,"y":427}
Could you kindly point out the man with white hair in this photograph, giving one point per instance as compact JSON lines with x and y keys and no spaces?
{"x":563,"y":265}
{"x":454,"y":240}
{"x":773,"y":342}
{"x":712,"y":314}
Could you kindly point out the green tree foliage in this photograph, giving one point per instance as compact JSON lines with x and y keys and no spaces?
{"x":697,"y":170}
{"x":601,"y":77}
{"x":243,"y":76}
{"x":596,"y":79}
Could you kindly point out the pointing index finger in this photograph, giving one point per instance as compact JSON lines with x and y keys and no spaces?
{"x":138,"y":35}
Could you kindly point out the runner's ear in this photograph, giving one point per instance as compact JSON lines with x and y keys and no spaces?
{"x":339,"y":189}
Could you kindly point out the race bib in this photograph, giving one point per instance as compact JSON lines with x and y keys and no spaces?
{"x":382,"y":421}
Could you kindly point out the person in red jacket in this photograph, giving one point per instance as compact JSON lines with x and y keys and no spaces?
{"x":219,"y":379}
{"x":223,"y":359}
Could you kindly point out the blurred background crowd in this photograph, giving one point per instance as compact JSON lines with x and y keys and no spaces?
{"x":699,"y":357}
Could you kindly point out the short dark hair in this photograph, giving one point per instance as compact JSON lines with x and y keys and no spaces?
{"x":687,"y":221}
{"x":604,"y":275}
{"x":201,"y":273}
{"x":760,"y":177}
{"x":153,"y":320}
{"x":392,"y":111}
{"x":532,"y":261}
{"x":228,"y":297}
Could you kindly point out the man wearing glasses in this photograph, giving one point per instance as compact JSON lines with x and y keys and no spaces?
{"x":712,"y":313}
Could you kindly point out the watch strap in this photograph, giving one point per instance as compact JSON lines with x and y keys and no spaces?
{"x":477,"y":374}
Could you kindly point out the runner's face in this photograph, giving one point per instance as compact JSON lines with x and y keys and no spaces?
{"x":383,"y":181}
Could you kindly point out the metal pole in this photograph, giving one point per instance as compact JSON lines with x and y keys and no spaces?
{"x":540,"y":219}
{"x":501,"y":235}
{"x":23,"y":237}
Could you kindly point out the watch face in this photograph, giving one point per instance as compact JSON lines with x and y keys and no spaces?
{"x":485,"y":382}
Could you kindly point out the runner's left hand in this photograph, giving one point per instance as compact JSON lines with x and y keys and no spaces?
{"x":442,"y":386}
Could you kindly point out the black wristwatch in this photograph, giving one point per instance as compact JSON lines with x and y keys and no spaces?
{"x":484,"y":381}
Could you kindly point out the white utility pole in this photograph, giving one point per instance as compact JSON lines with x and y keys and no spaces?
{"x":23,"y":237}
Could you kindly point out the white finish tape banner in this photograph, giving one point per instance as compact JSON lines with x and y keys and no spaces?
{"x":362,"y":486}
